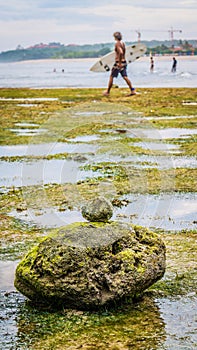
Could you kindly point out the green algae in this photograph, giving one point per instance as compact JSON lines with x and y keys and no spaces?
{"x":29,"y":158}
{"x":124,"y":147}
{"x":17,"y":237}
{"x":180,"y":277}
{"x":189,"y":146}
{"x":139,"y":325}
{"x":127,"y":179}
{"x":119,"y":181}
{"x":176,"y":285}
{"x":131,"y":325}
{"x":165,"y":101}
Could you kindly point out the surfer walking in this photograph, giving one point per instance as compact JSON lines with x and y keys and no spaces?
{"x":120,"y":65}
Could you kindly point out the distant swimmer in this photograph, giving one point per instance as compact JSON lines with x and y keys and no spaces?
{"x":151,"y":64}
{"x":174,"y":65}
{"x":120,"y":65}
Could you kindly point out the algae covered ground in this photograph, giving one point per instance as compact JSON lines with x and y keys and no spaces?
{"x":62,"y":147}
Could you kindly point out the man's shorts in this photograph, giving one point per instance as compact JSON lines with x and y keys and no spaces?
{"x":115,"y":70}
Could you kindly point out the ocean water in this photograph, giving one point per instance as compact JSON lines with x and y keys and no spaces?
{"x":75,"y":73}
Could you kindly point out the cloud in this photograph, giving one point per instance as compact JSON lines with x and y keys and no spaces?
{"x":64,"y":3}
{"x":149,"y":4}
{"x":79,"y":21}
{"x":39,"y":9}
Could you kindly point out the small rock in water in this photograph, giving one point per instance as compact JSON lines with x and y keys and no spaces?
{"x":98,"y":210}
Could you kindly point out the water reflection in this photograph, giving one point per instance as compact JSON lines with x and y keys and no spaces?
{"x":48,"y":217}
{"x":166,"y":211}
{"x":180,"y":322}
{"x":162,"y":134}
{"x":132,"y":326}
{"x":42,"y":172}
{"x":163,"y":211}
{"x":45,"y":149}
{"x":7,"y":271}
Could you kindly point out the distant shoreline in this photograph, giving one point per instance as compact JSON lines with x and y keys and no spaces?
{"x":144,"y":59}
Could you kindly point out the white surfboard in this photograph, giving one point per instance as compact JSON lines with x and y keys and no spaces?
{"x":105,"y":63}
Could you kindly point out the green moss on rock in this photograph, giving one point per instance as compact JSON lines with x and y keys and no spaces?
{"x":89,"y":265}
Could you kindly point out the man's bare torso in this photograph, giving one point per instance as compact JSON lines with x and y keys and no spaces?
{"x":120,"y":51}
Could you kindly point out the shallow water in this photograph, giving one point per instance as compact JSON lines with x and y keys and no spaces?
{"x":40,"y":74}
{"x":7,"y":272}
{"x":60,"y":171}
{"x":28,"y":131}
{"x":85,"y":138}
{"x":173,"y":212}
{"x":165,"y":211}
{"x":154,"y":146}
{"x":179,"y":316}
{"x":162,"y":134}
{"x":146,"y":327}
{"x":48,"y":217}
{"x":45,"y":149}
{"x":148,"y":161}
{"x":164,"y":117}
{"x":42,"y":172}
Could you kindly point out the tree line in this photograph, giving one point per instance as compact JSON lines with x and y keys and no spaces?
{"x":89,"y":51}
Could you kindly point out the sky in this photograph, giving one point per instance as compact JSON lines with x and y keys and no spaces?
{"x":29,"y":22}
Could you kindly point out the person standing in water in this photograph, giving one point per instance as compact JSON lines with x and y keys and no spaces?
{"x":151,"y":64}
{"x":174,"y":65}
{"x":120,"y":65}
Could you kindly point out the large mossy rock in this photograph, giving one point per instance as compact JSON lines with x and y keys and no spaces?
{"x":88,"y":265}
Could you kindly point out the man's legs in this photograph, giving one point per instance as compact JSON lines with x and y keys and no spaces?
{"x":114,"y":74}
{"x":129,"y":85}
{"x":110,"y":83}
